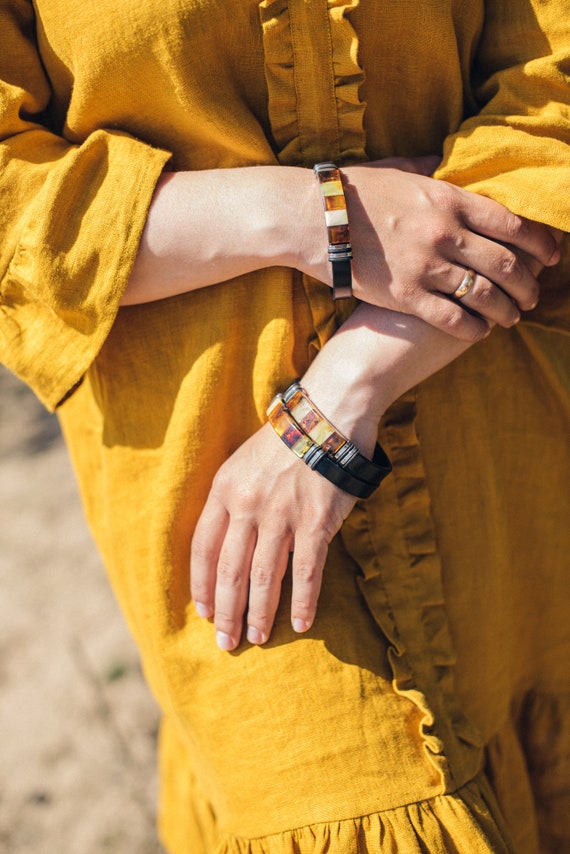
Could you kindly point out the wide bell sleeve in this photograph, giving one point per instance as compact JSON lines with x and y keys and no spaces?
{"x":516,"y":147}
{"x":71,"y":217}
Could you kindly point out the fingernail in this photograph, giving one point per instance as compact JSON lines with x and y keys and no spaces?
{"x":255,"y":636}
{"x":202,"y":610}
{"x":300,"y":625}
{"x":224,"y":641}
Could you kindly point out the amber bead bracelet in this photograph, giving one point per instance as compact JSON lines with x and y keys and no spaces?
{"x":336,"y":220}
{"x":313,"y":439}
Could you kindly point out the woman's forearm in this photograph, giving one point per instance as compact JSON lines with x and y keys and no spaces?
{"x":211,"y":226}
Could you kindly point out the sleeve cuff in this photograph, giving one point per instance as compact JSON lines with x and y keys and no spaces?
{"x":61,"y":292}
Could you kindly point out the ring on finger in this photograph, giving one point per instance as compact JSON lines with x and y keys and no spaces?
{"x":465,"y":285}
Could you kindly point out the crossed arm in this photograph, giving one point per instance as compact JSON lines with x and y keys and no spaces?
{"x":413,"y":239}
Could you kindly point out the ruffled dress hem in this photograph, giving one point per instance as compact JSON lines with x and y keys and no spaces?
{"x":465,"y":822}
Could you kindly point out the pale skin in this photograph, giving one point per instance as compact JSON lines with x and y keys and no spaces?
{"x":413,"y":239}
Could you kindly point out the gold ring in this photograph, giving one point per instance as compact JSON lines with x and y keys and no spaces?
{"x":466,"y":284}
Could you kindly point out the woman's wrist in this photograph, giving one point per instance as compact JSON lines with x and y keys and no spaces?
{"x":375,"y":357}
{"x":304,"y":227}
{"x":344,"y":383}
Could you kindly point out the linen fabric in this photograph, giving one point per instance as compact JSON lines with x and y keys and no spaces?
{"x":427,"y":708}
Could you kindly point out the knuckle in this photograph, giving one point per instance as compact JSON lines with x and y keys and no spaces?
{"x":453,"y":321}
{"x":229,"y":575}
{"x":444,"y":195}
{"x":508,"y":266}
{"x":485,"y":293}
{"x":306,"y":572}
{"x":331,"y":525}
{"x":262,"y":575}
{"x":319,"y":523}
{"x":220,"y":480}
{"x":456,"y":323}
{"x":514,"y":225}
{"x":241,"y":493}
{"x":248,"y":498}
{"x":202,"y":550}
{"x":407,"y":294}
{"x":442,"y":235}
{"x":324,"y":522}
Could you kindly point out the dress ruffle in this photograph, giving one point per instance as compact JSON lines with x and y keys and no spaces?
{"x":460,"y":823}
{"x":393,"y":541}
{"x":315,"y":108}
{"x":349,"y":77}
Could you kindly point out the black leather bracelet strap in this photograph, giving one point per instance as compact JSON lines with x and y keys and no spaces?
{"x":371,"y":471}
{"x":330,"y":469}
{"x":341,"y":277}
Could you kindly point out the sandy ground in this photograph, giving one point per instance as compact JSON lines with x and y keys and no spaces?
{"x":77,"y":724}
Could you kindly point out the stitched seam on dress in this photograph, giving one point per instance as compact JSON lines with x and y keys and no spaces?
{"x":292,"y":30}
{"x":331,"y":88}
{"x":474,"y":781}
{"x":331,"y":66}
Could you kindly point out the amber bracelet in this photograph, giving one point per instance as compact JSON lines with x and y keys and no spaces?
{"x":314,"y":456}
{"x":336,"y":219}
{"x":312,"y":422}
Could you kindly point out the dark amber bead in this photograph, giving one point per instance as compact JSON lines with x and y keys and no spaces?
{"x":339,"y":234}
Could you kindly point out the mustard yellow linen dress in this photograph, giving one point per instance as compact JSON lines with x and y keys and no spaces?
{"x":426,"y":710}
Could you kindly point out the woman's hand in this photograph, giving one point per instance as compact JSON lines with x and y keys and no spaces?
{"x":264,"y":504}
{"x":414,"y":238}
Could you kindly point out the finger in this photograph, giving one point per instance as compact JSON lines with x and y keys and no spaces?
{"x":268,"y":567}
{"x":533,"y":265}
{"x":487,"y":217}
{"x":308,"y":562}
{"x":489,"y":301}
{"x":206,"y":544}
{"x":502,"y":266}
{"x":449,"y":316}
{"x":232,"y":582}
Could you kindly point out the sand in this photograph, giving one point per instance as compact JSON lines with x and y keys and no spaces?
{"x":77,"y":723}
